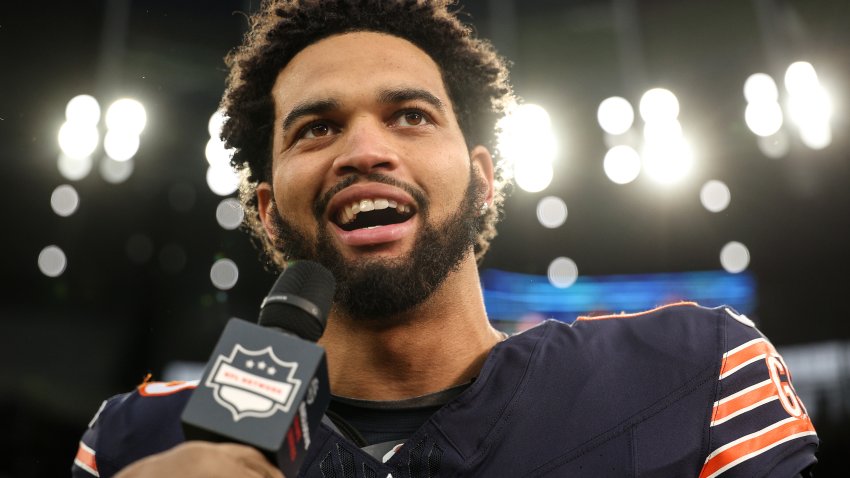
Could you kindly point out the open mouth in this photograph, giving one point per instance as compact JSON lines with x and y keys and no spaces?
{"x":371,"y":213}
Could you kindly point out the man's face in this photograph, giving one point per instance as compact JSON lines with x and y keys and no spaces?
{"x":371,"y":173}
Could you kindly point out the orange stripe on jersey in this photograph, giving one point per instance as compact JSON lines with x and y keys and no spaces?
{"x":85,"y":459}
{"x":156,"y":389}
{"x":637,"y":314}
{"x":744,"y":401}
{"x":744,"y":355}
{"x":753,"y":445}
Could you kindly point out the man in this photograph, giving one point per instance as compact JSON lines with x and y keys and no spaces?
{"x":364,"y":130}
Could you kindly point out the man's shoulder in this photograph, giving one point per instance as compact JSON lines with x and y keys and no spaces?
{"x":657,"y":351}
{"x":686,"y":330}
{"x":133,"y":425}
{"x":682,"y":327}
{"x":636,"y":360}
{"x":676,"y":314}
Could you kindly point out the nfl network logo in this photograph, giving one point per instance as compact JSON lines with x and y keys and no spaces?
{"x":253,"y":383}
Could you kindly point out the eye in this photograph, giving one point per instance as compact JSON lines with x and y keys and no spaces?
{"x":317,"y":130}
{"x":413,"y":118}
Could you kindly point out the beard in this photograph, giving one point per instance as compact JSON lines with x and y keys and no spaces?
{"x":376,"y":289}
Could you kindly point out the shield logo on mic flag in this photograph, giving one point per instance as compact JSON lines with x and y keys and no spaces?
{"x":253,"y":383}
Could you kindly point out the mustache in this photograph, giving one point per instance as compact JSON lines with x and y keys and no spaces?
{"x":321,"y":204}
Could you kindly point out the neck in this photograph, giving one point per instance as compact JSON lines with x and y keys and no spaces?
{"x":441,"y":343}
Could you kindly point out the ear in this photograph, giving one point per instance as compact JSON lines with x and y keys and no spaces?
{"x":482,"y":163}
{"x":266,"y":207}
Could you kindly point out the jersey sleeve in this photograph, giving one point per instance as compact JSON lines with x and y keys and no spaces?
{"x":131,"y":426}
{"x":759,"y":426}
{"x":85,"y":461}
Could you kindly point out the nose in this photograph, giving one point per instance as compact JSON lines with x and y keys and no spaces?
{"x":367,"y":148}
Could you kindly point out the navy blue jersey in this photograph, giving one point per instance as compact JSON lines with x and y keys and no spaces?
{"x":677,"y":391}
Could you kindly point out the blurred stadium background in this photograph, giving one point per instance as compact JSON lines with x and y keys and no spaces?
{"x":670,"y":150}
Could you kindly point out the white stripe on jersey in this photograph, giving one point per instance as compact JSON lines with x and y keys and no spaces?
{"x":743,"y":346}
{"x":747,"y":437}
{"x":739,"y":367}
{"x":738,"y":394}
{"x":759,"y":452}
{"x":744,"y":410}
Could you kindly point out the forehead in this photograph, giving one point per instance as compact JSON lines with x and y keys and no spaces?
{"x":356,"y":63}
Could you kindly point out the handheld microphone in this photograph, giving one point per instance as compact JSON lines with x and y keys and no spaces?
{"x":267,"y":385}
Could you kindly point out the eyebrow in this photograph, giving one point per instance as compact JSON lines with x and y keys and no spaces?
{"x":400,"y":95}
{"x":387,"y":96}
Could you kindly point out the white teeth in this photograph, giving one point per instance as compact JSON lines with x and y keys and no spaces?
{"x":348,"y":213}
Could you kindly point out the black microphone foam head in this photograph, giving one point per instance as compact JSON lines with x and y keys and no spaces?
{"x":300,"y":300}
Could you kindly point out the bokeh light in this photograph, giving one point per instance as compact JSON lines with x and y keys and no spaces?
{"x":615,"y":115}
{"x":229,"y":213}
{"x":667,"y":162}
{"x":120,"y":145}
{"x":533,"y":176}
{"x":216,"y":153}
{"x":734,"y":257}
{"x":127,"y":115}
{"x":764,"y":118}
{"x":78,"y":140}
{"x":562,"y":272}
{"x":659,"y":104}
{"x":224,"y":274}
{"x":222,"y":180}
{"x":74,"y":169}
{"x":666,"y":155}
{"x":551,"y":212}
{"x":816,"y":136}
{"x":761,"y":88}
{"x":64,"y":200}
{"x":527,"y":142}
{"x":801,"y":77}
{"x":774,"y":146}
{"x":115,"y":172}
{"x":52,"y":261}
{"x":83,"y":109}
{"x":715,"y":195}
{"x":215,"y":124}
{"x":622,"y":164}
{"x":811,"y":111}
{"x":809,"y":105}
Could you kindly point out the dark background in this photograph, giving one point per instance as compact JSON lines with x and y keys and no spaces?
{"x":66,"y":343}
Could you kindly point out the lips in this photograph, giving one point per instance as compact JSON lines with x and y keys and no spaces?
{"x":370,"y":214}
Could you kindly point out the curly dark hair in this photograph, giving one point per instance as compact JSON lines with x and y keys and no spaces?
{"x":475,"y":76}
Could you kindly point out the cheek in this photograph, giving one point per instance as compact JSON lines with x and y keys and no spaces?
{"x":445,"y":164}
{"x":448,"y":183}
{"x":294,"y":190}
